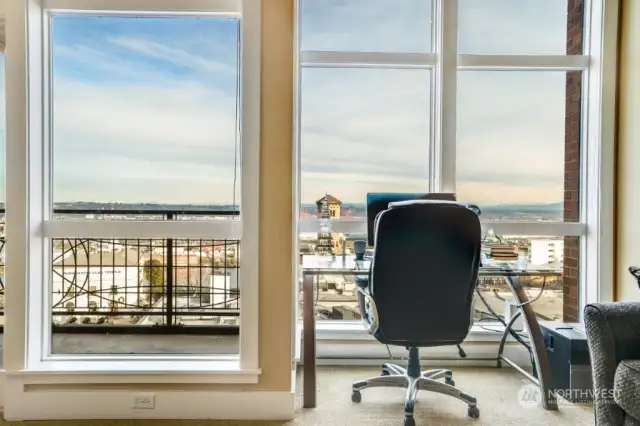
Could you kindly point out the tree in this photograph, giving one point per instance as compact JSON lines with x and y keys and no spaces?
{"x":154,"y":274}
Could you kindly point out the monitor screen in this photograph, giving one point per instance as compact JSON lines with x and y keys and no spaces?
{"x":379,"y":201}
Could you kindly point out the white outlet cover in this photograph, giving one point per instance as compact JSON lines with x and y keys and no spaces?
{"x":144,"y":400}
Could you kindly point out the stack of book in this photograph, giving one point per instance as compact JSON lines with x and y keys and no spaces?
{"x":503,"y":252}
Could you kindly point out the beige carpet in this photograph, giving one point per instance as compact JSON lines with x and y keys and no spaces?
{"x":496,"y":391}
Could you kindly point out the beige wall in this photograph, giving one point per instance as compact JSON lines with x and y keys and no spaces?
{"x":628,"y":161}
{"x":276,"y":194}
{"x":276,"y":180}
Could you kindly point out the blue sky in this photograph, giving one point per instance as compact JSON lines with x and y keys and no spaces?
{"x":145,"y":110}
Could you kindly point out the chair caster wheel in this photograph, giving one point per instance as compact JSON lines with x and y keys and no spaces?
{"x":409,"y":421}
{"x":449,"y":382}
{"x":356,"y":396}
{"x":473,"y":412}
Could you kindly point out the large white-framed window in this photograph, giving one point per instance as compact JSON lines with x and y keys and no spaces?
{"x":35,"y":185}
{"x":371,"y":100}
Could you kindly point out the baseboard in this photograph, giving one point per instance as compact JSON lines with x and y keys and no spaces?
{"x":53,"y":404}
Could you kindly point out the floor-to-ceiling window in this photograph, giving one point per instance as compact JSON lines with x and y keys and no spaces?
{"x":144,"y":127}
{"x":141,"y":123}
{"x":497,"y":101}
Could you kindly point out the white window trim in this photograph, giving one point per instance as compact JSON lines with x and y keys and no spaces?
{"x":29,"y":225}
{"x":326,"y":59}
{"x":220,"y":7}
{"x":296,"y":331}
{"x":598,"y":153}
{"x":143,"y":229}
{"x":508,"y":228}
{"x":598,"y":150}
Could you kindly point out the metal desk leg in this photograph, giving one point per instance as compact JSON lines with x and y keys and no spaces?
{"x":505,"y":335}
{"x":542,"y":366}
{"x":309,"y":342}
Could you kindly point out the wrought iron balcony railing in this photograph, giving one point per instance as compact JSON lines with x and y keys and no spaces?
{"x":142,"y":285}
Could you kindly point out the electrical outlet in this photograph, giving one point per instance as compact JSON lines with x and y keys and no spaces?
{"x":144,"y":400}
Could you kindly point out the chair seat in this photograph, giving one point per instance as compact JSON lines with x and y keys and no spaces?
{"x":627,"y":387}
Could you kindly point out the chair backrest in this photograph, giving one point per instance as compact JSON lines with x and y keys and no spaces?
{"x":424,"y":272}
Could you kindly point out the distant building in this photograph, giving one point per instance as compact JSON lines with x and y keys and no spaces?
{"x":333,"y":205}
{"x":547,"y":251}
{"x":324,"y":245}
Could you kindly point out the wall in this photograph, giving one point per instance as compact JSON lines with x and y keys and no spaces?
{"x":276,"y":181}
{"x":276,"y":197}
{"x":628,"y":166}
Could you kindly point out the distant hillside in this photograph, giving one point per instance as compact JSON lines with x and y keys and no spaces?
{"x":524,"y":208}
{"x":348,"y":209}
{"x":359,"y":209}
{"x":92,"y":205}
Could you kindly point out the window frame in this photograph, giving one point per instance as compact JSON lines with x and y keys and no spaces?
{"x":598,"y":65}
{"x":30,"y":225}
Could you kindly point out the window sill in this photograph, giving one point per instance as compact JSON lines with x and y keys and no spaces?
{"x":347,"y":343}
{"x":107,"y":370}
{"x":354,"y":330}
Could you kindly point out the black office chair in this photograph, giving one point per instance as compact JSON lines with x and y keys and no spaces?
{"x":419,"y":292}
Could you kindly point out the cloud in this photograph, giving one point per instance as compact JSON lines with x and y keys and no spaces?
{"x":138,"y":120}
{"x":367,"y":130}
{"x":508,"y":27}
{"x":366,"y":25}
{"x":175,"y":56}
{"x":166,"y":136}
{"x":145,"y":109}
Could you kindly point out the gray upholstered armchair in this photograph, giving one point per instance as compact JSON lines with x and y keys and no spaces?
{"x":613,"y":333}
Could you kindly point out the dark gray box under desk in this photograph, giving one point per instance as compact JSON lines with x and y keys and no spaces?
{"x":568,"y":353}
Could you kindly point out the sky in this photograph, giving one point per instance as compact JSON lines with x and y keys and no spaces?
{"x":145,"y":108}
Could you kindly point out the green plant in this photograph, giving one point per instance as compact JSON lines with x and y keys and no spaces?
{"x":154,"y":274}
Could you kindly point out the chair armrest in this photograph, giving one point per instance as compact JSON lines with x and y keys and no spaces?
{"x":613,"y":334}
{"x":473,"y":207}
{"x":367,"y":305}
{"x":362,"y":282}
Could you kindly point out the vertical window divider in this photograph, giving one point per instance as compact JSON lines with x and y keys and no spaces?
{"x":443,"y":144}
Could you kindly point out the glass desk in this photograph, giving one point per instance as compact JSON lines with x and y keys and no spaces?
{"x":542,"y":376}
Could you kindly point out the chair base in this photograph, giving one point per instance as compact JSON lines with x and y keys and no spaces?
{"x":394,"y":376}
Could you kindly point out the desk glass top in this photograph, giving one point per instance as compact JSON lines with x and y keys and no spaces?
{"x":314,"y":265}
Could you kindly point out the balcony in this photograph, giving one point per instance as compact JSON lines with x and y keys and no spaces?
{"x":132,"y":296}
{"x":167,"y":296}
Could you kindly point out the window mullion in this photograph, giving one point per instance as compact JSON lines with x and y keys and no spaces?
{"x":443,"y":146}
{"x":598,"y":155}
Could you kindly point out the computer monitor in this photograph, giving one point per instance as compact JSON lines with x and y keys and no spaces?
{"x":379,"y":201}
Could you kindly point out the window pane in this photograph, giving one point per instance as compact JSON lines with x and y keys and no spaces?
{"x":520,"y":27}
{"x":145,"y":127}
{"x":555,"y":288}
{"x":363,"y":130}
{"x":366,"y":25}
{"x":144,"y":111}
{"x":518,"y":148}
